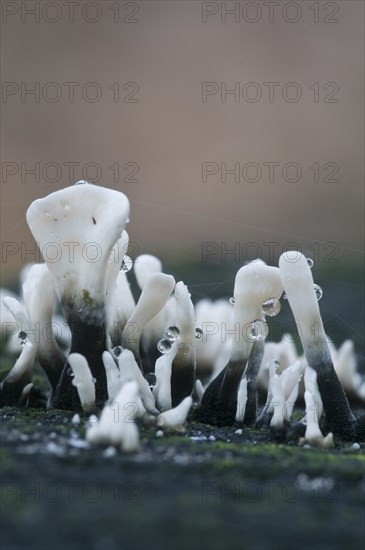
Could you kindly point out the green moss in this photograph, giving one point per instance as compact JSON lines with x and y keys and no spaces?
{"x":88,"y":300}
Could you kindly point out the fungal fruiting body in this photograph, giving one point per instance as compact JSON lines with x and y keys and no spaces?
{"x":145,"y":352}
{"x":255,"y":283}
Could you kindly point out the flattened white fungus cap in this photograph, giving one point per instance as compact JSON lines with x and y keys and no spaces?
{"x":76,"y":229}
{"x":255,"y":283}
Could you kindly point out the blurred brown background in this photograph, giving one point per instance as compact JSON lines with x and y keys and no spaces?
{"x":167,"y":51}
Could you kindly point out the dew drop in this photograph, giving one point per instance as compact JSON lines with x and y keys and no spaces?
{"x":310,"y":262}
{"x":232,"y":300}
{"x":172,"y":333}
{"x":164,"y":346}
{"x":151,"y":379}
{"x":127,"y":264}
{"x":271,"y":307}
{"x":319,"y":292}
{"x":198,"y":333}
{"x":258,"y":330}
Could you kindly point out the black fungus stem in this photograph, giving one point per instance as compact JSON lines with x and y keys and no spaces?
{"x":219,"y":402}
{"x":251,"y":373}
{"x":182,"y":378}
{"x":90,"y":341}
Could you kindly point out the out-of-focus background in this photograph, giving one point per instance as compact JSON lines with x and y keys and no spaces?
{"x":136,"y":96}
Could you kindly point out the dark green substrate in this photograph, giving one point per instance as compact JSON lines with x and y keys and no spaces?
{"x":234,"y":492}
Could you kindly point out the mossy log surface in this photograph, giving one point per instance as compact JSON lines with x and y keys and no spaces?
{"x":206,"y":488}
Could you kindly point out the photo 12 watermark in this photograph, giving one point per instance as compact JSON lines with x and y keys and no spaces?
{"x":72,"y":171}
{"x":70,"y":252}
{"x":270,"y":12}
{"x":269,"y":171}
{"x":69,"y":492}
{"x":69,"y":92}
{"x":251,"y":251}
{"x":269,"y":92}
{"x":53,"y":12}
{"x":320,"y":489}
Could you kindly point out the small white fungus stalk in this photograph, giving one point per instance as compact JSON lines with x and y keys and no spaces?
{"x":299,"y":288}
{"x":115,"y":382}
{"x":13,"y":384}
{"x":145,"y":267}
{"x":290,"y":379}
{"x":153,"y":298}
{"x":345,"y":367}
{"x":176,"y":417}
{"x":278,"y":402}
{"x":284,"y":352}
{"x":216,"y":321}
{"x":83,"y":381}
{"x":250,"y":374}
{"x":313,"y":435}
{"x":23,"y":400}
{"x":282,"y":394}
{"x":162,"y":389}
{"x":120,"y":302}
{"x":39,"y":297}
{"x":241,"y":400}
{"x":129,"y":370}
{"x":199,"y":390}
{"x":8,"y":327}
{"x":183,"y":366}
{"x":113,"y":379}
{"x":310,"y":383}
{"x":121,"y":310}
{"x":268,"y":407}
{"x":116,"y":425}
